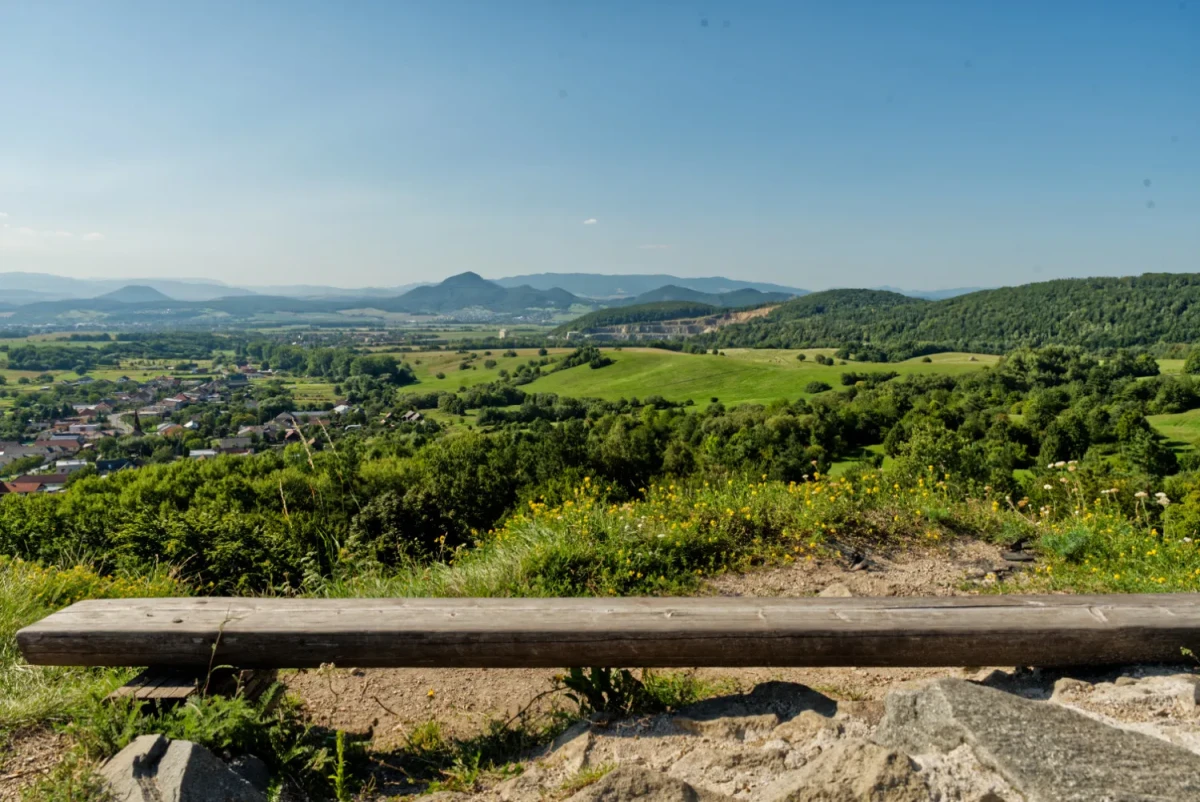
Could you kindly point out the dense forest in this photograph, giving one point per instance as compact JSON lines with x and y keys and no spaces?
{"x":1095,"y":313}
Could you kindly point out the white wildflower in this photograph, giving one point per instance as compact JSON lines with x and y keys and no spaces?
{"x":1140,"y":494}
{"x":1047,"y":487}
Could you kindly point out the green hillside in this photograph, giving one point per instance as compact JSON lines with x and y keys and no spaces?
{"x":1095,"y":313}
{"x":742,"y":376}
{"x":641,"y":313}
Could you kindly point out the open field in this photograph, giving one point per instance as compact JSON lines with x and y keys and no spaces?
{"x":1182,"y":429}
{"x":741,"y":376}
{"x":427,"y":364}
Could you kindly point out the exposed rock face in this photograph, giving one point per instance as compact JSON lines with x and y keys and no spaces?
{"x":153,"y":769}
{"x":854,"y":771}
{"x":628,"y":783}
{"x":1047,"y":752}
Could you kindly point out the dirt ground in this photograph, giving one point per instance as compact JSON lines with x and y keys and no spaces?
{"x":26,"y":756}
{"x":387,"y":704}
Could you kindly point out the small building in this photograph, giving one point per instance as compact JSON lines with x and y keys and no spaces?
{"x":106,"y":466}
{"x":225,"y":444}
{"x":202,"y":453}
{"x":70,"y":466}
{"x":38,"y":483}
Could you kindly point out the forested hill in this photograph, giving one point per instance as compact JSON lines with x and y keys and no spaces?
{"x":642,"y":313}
{"x":1093,"y":312}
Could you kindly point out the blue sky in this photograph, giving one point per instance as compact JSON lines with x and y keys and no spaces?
{"x":815,"y":144}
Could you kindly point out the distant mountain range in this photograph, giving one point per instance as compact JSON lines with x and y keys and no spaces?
{"x":23,"y":288}
{"x":136,"y":294}
{"x":596,"y":285}
{"x":26,"y":288}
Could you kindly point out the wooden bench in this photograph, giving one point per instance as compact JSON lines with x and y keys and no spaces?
{"x":628,"y":632}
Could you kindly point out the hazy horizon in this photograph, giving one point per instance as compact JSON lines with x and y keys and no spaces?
{"x":925,"y":146}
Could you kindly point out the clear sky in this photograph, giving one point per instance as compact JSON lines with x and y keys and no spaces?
{"x":815,"y":144}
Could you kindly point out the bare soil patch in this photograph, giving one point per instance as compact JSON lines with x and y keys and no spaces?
{"x":26,"y":756}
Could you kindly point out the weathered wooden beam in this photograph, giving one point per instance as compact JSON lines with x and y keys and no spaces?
{"x":659,"y":632}
{"x":171,"y":685}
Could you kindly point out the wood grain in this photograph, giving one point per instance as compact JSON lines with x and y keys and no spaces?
{"x":629,"y":632}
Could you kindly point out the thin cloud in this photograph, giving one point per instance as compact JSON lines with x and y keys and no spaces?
{"x":591,"y":221}
{"x":93,"y":236}
{"x":654,"y":247}
{"x":63,"y":234}
{"x":3,"y":215}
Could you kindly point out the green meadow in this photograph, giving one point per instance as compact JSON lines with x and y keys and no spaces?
{"x":740,"y":376}
{"x":1182,"y":428}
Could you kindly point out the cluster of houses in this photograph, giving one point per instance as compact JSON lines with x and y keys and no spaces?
{"x":63,"y":446}
{"x":60,"y":447}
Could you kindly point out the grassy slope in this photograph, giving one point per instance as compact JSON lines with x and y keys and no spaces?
{"x":743,"y":375}
{"x":1182,"y":428}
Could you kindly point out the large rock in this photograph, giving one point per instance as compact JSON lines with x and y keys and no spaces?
{"x":570,"y":750}
{"x":854,"y":770}
{"x":1047,"y":752}
{"x":626,"y":783}
{"x":153,"y":769}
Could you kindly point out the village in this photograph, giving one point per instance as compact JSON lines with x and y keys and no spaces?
{"x":126,"y":423}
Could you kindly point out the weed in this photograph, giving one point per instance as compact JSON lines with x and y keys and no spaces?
{"x":586,"y":777}
{"x":1070,"y":545}
{"x":341,"y":792}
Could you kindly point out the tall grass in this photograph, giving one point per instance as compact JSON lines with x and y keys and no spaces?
{"x":28,"y":592}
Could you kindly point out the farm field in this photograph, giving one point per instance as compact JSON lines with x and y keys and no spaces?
{"x":741,"y":376}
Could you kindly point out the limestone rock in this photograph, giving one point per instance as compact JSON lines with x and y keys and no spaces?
{"x":835,"y":591}
{"x":1047,"y":752}
{"x":570,"y":750}
{"x":1067,"y":687}
{"x":854,"y":770}
{"x":1144,"y":697}
{"x":123,"y":770}
{"x":803,"y":727}
{"x":629,"y":783}
{"x":870,"y":711}
{"x":729,"y":770}
{"x":526,"y":785}
{"x":153,"y":769}
{"x":735,"y":728}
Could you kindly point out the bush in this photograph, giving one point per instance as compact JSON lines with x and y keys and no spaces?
{"x":816,"y":387}
{"x":1070,"y":545}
